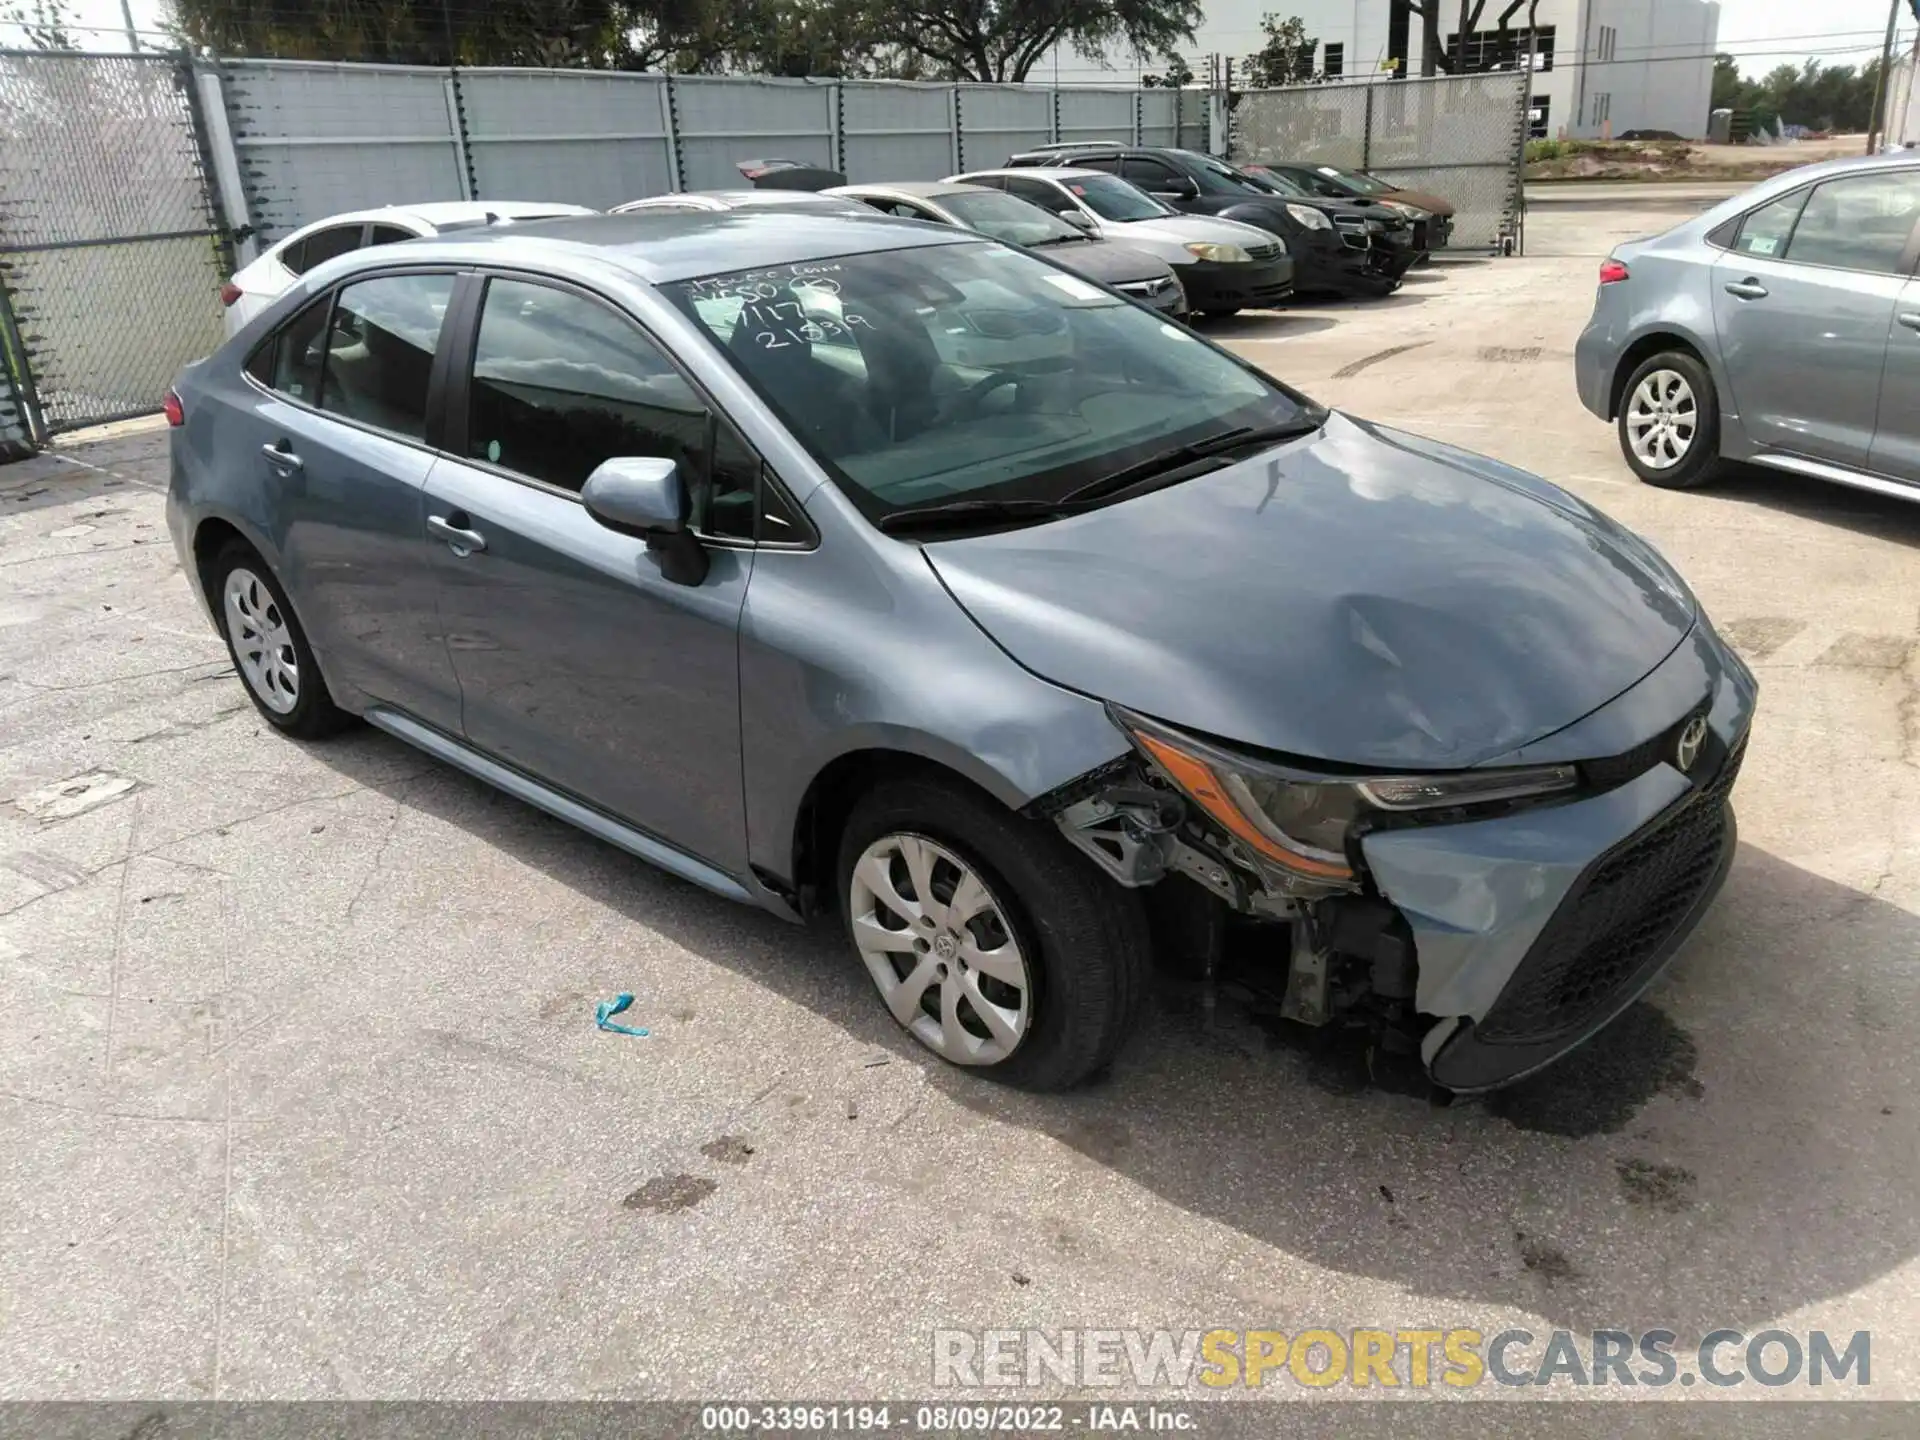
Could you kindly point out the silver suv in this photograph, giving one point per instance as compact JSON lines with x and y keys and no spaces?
{"x":1781,"y":328}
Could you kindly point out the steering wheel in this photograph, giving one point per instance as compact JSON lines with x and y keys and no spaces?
{"x":969,"y":400}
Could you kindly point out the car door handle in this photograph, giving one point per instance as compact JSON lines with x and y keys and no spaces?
{"x":462,"y":540}
{"x":1748,"y":289}
{"x":1910,"y":319}
{"x":281,"y":457}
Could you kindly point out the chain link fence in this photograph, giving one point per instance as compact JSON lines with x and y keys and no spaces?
{"x":110,"y":246}
{"x":1461,"y":137}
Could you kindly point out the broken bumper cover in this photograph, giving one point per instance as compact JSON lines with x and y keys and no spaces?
{"x":1534,"y":930}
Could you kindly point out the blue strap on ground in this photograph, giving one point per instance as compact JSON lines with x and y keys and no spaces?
{"x":603,"y":1017}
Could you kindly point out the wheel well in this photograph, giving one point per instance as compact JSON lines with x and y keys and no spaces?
{"x":209,"y":540}
{"x":1641,"y":349}
{"x":829,"y":802}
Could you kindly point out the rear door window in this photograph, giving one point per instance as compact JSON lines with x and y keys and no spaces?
{"x":389,"y":235}
{"x":290,"y":362}
{"x":321,"y":246}
{"x":1764,"y":233}
{"x":1858,"y":222}
{"x":380,"y":350}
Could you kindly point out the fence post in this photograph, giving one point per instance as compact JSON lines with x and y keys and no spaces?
{"x":215,"y":132}
{"x":676,"y":169}
{"x":16,"y":379}
{"x":953,"y":128}
{"x":457,"y":121}
{"x":1366,"y":133}
{"x":836,"y":146}
{"x":1139,"y":100}
{"x":1053,"y":114}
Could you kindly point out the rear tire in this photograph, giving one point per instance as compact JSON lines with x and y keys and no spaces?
{"x":1669,"y":422}
{"x":269,"y":648}
{"x":1065,"y":950}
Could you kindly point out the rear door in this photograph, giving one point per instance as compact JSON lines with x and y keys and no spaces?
{"x":1896,"y":439}
{"x":580,"y":663}
{"x":338,"y":438}
{"x":1802,"y":306}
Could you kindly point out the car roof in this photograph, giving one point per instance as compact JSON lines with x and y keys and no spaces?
{"x":1045,"y":172}
{"x":915,"y":189}
{"x":660,"y":246}
{"x":1800,"y":175}
{"x":742,"y":199}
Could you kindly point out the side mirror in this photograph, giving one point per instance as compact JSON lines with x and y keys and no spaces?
{"x":1079,"y":219}
{"x":645,"y":497}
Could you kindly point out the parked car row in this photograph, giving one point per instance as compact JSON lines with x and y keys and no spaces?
{"x":1179,"y":231}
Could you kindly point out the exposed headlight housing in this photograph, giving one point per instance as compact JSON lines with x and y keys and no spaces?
{"x":1300,"y":822}
{"x":1219,"y":254}
{"x":1400,"y":207}
{"x":1311,"y":218}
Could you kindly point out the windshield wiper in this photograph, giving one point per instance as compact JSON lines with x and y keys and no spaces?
{"x":1171,"y":465}
{"x":1059,"y":240}
{"x":971,"y":514}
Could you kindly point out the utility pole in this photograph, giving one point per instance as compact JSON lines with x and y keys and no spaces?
{"x":1880,"y":80}
{"x":133,"y":35}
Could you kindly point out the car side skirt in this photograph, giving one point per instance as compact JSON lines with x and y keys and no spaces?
{"x":565,"y":807}
{"x":1838,"y":474}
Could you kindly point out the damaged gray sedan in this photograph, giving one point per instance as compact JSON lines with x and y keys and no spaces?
{"x":858,"y":569}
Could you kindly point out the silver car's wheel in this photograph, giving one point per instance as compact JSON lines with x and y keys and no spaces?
{"x":1662,"y":417}
{"x":940,"y":949}
{"x":262,"y":641}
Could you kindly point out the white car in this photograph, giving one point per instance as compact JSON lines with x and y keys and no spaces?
{"x":257,"y":285}
{"x":712,"y":200}
{"x":1224,"y":265}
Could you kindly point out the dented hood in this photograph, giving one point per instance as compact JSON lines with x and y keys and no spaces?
{"x":1359,"y":596}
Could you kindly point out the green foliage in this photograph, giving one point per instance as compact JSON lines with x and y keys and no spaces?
{"x":1177,"y":73}
{"x":1285,"y":59}
{"x":45,"y":23}
{"x":1821,"y":97}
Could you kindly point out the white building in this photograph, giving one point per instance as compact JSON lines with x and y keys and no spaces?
{"x":1604,"y":66}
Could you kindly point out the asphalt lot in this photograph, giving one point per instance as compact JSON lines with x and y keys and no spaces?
{"x":303,"y":1096}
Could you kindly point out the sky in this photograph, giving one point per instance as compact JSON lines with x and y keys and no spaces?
{"x":1762,"y":33}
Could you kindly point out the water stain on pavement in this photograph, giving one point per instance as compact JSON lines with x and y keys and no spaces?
{"x":1657,"y":1186}
{"x":1544,"y":1258}
{"x":727,"y":1149}
{"x":666,"y":1194}
{"x":1601,"y":1086}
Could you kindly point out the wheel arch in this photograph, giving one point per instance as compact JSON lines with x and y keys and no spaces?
{"x":1654,"y":342}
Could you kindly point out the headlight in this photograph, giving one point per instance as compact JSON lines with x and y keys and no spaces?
{"x":1223,"y":254}
{"x":1311,"y":218}
{"x":1400,"y":207}
{"x":1301,"y":822}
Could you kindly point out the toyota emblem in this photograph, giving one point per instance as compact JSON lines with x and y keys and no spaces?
{"x":1691,"y":739}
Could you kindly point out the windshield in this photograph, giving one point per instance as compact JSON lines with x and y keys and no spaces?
{"x":1358,"y":181}
{"x":917,"y":377}
{"x":1218,"y":178}
{"x":1112,"y":198}
{"x":1009,"y":218}
{"x":1274,"y":183}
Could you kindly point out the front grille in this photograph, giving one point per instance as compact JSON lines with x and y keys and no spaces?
{"x":1143,"y":287}
{"x":1617,"y":919}
{"x":1612,"y":770}
{"x":1264,"y":252}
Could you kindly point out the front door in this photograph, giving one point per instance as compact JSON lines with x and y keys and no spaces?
{"x":1802,"y":306}
{"x":1896,"y":439}
{"x":579,"y":662}
{"x":337,"y":435}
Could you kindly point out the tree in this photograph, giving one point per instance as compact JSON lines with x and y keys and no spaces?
{"x":1179,"y":73}
{"x":1727,"y":83}
{"x":45,"y":23}
{"x":1286,"y":58}
{"x":1002,"y":40}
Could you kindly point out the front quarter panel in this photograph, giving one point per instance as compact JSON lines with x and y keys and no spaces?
{"x":856,"y":646}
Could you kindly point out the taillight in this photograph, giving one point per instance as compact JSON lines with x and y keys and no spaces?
{"x":1612,"y":272}
{"x":175,"y":413}
{"x":229,"y":293}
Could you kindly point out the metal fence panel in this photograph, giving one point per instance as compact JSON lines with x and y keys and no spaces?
{"x":316,"y":139}
{"x":17,"y":428}
{"x":1457,"y":136}
{"x":1160,"y":117}
{"x":892,"y":130}
{"x":997,"y":121}
{"x":585,"y":137}
{"x":109,"y":238}
{"x":1096,"y":114}
{"x":725,"y":119}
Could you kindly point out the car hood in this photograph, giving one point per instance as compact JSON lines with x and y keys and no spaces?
{"x":1105,"y":261}
{"x":1422,"y":199}
{"x":1360,"y":596}
{"x":1178,"y":230}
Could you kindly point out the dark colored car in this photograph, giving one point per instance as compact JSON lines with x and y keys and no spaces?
{"x":1337,"y":247}
{"x":1430,"y":216}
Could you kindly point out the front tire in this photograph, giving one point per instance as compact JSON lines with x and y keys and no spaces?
{"x":990,"y":939}
{"x":1669,"y":422}
{"x":269,"y":649}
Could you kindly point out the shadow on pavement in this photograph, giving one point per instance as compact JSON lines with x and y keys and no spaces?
{"x":1735,"y":1147}
{"x":1885,"y":517}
